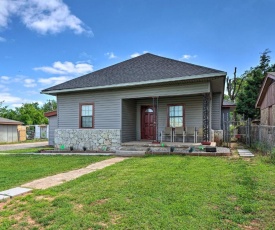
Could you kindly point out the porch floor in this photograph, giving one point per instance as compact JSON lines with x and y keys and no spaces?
{"x":167,"y":144}
{"x":147,"y":147}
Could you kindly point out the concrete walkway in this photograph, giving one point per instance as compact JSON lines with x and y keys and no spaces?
{"x":58,"y":179}
{"x":23,"y":145}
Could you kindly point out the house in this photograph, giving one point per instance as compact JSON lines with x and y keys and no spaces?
{"x":266,"y":100}
{"x":52,"y":117}
{"x":8,"y":130}
{"x":135,"y":100}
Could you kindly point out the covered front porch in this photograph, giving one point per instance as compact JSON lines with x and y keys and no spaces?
{"x":183,"y":119}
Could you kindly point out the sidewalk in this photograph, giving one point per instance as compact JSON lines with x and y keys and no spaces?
{"x":23,"y":145}
{"x":58,"y":179}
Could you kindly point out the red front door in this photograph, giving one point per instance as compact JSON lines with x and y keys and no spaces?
{"x":148,"y":126}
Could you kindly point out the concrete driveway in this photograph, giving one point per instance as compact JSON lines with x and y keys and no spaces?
{"x":23,"y":145}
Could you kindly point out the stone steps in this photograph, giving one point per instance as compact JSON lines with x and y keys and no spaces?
{"x":126,"y":153}
{"x":245,"y":153}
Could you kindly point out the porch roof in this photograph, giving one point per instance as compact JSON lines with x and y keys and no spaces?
{"x":143,"y":70}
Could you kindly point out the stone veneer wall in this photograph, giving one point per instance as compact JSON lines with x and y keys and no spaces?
{"x":216,"y":136}
{"x":92,"y":139}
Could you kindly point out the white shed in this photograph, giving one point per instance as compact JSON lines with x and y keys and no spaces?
{"x":8,"y":130}
{"x":52,"y":116}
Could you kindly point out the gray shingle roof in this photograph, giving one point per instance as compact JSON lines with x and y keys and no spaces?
{"x":147,"y":67}
{"x":5,"y":121}
{"x":228,"y":103}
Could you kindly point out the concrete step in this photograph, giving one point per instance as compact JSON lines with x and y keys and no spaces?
{"x":245,"y":153}
{"x":134,"y":148}
{"x":126,"y":153}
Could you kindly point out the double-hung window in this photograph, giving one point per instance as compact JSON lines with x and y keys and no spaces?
{"x":86,"y":115}
{"x":175,"y":116}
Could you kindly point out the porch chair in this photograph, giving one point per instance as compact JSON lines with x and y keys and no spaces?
{"x":179,"y":131}
{"x":199,"y":135}
{"x":191,"y":132}
{"x":168,"y":131}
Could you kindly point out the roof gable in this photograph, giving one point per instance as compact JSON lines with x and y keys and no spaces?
{"x":144,"y":68}
{"x":269,"y":79}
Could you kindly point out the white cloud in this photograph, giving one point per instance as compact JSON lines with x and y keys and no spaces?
{"x":29,"y":83}
{"x":5,"y":78}
{"x":137,"y":54}
{"x":8,"y":98}
{"x":2,"y":39}
{"x":53,"y":80}
{"x":67,"y":68}
{"x":111,"y":55}
{"x":187,"y":56}
{"x":49,"y":16}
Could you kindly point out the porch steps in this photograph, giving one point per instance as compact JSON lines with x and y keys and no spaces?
{"x":131,"y":153}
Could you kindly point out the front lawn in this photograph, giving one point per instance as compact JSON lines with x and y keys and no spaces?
{"x":16,"y":169}
{"x":29,"y":150}
{"x":156,"y":192}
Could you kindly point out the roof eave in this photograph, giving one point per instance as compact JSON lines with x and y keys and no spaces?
{"x":264,"y":86}
{"x":192,"y":77}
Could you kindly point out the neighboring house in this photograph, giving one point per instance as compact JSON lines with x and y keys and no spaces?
{"x":52,"y":116}
{"x":8,"y":130}
{"x":266,"y":100}
{"x":135,"y":100}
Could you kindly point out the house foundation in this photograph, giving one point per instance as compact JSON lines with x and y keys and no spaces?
{"x":91,"y":139}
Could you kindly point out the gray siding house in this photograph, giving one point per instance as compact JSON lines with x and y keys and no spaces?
{"x":136,"y":100}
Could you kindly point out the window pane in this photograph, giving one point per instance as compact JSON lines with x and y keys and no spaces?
{"x":176,"y":116}
{"x":149,"y":110}
{"x":171,"y":111}
{"x":178,"y":122}
{"x":172,"y":122}
{"x":87,"y":122}
{"x":87,"y":110}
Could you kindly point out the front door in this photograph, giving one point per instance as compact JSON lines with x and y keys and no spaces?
{"x":148,"y":126}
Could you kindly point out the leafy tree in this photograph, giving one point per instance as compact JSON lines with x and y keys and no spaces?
{"x":31,"y":114}
{"x":28,"y":113}
{"x":248,"y":95}
{"x":50,"y":105}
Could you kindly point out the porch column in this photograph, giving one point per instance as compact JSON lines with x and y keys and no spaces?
{"x":205,"y":122}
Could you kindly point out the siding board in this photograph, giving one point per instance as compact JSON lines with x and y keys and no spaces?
{"x":216,"y":111}
{"x":108,"y":107}
{"x":128,"y":120}
{"x":52,"y":127}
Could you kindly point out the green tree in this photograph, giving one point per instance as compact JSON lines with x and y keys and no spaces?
{"x":50,"y":105}
{"x":248,"y":95}
{"x":31,"y":114}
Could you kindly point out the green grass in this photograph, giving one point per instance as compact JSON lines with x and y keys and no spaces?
{"x":26,"y":141}
{"x":16,"y":169}
{"x":156,"y":192}
{"x":29,"y":150}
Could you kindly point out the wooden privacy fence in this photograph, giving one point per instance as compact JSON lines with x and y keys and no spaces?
{"x":21,"y":133}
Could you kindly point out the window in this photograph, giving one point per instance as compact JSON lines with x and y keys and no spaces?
{"x":175,"y":116}
{"x":86,"y":116}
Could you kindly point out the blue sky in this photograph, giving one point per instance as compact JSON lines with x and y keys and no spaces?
{"x":43,"y":43}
